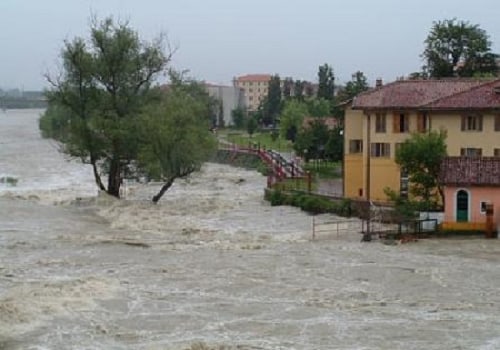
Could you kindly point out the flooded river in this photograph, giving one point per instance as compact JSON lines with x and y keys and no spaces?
{"x":213,"y":266}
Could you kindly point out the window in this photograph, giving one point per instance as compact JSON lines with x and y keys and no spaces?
{"x":355,"y":146}
{"x":496,"y":152}
{"x":423,"y":122}
{"x":379,"y":149}
{"x":250,"y":90}
{"x":472,"y":122}
{"x":497,"y":123}
{"x":380,"y":122}
{"x":401,"y":123}
{"x":471,"y":152}
{"x":482,"y":207}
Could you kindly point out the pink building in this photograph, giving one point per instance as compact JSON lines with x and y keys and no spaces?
{"x":470,"y":184}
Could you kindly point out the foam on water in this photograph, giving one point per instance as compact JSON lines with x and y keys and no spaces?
{"x":227,"y":204}
{"x":213,"y":266}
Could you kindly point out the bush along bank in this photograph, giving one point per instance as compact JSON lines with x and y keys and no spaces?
{"x":311,"y":203}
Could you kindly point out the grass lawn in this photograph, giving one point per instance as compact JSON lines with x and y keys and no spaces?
{"x":324,"y":169}
{"x":263,"y":138}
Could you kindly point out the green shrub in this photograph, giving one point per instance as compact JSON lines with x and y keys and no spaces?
{"x":314,"y":204}
{"x":276,"y":197}
{"x":344,"y":208}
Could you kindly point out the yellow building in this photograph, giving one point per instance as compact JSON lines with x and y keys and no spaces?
{"x":378,"y":120}
{"x":255,"y":88}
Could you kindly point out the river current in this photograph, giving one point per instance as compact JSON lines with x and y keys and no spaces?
{"x":213,"y":266}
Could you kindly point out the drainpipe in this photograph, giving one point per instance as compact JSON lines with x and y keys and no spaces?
{"x":367,"y":237}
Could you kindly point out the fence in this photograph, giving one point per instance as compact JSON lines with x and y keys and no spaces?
{"x":335,"y":227}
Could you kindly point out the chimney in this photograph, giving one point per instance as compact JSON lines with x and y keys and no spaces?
{"x":378,"y":82}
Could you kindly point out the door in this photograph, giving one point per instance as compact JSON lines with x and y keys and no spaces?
{"x":462,"y":206}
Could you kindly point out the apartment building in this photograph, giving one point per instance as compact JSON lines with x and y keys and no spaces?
{"x":378,"y":120}
{"x":255,"y":87}
{"x":230,"y":98}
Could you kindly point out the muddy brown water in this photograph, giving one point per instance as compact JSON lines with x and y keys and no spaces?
{"x":215,"y":267}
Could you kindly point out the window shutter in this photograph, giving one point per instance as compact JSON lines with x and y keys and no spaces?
{"x":395,"y":122}
{"x":420,"y":122}
{"x":462,"y":151}
{"x":463,"y":122}
{"x":480,"y":123}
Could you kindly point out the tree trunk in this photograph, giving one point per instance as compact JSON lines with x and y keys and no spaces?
{"x":163,"y":189}
{"x":170,"y":181}
{"x":114,"y":179}
{"x":97,"y":177}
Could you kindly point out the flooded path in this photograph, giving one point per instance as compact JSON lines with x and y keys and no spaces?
{"x":214,"y":264}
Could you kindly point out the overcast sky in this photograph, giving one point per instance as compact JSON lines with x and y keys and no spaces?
{"x":219,"y":39}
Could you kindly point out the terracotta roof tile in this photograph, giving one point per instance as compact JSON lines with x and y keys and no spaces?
{"x":254,"y":77}
{"x":484,"y":96}
{"x":467,"y":171}
{"x":430,"y":94}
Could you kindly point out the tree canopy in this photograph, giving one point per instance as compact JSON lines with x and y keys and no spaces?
{"x":103,"y":103}
{"x":326,"y":80}
{"x":420,"y":157}
{"x":458,"y":48}
{"x":270,"y":107}
{"x":355,"y":86}
{"x":174,"y":134}
{"x":292,"y":117}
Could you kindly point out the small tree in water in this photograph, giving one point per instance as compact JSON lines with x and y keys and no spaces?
{"x":175,"y":135}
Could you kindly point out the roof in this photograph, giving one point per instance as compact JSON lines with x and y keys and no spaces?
{"x":254,"y":77}
{"x":442,"y":94}
{"x":470,"y":171}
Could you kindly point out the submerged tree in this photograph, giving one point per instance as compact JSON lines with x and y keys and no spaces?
{"x":104,"y":85}
{"x":174,"y":135}
{"x":104,"y":109}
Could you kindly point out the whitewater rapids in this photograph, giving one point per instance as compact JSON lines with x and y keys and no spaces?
{"x":213,"y":266}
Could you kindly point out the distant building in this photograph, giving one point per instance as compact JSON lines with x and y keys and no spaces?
{"x":230,"y":97}
{"x":255,"y":87}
